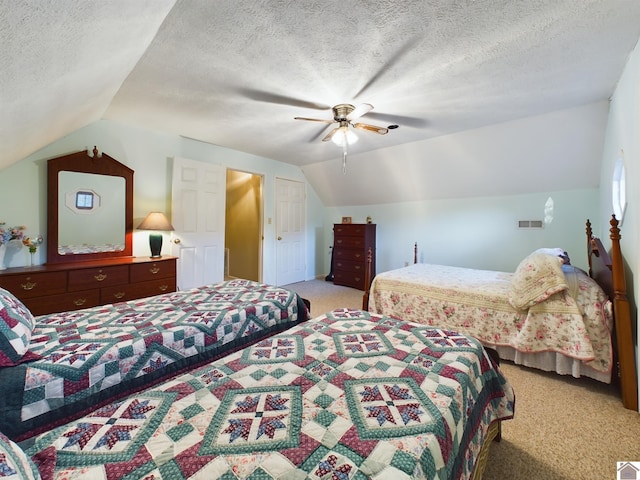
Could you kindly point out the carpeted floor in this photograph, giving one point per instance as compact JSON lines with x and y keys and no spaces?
{"x":565,"y":428}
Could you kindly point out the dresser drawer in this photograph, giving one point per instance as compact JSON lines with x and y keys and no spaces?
{"x":118,"y":293}
{"x":30,"y":285}
{"x":64,"y":302}
{"x":144,"y":272}
{"x":87,"y":278}
{"x":349,"y":279}
{"x":155,"y":287}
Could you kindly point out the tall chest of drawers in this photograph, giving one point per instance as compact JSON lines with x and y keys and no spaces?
{"x":62,"y":287}
{"x":351,"y":242}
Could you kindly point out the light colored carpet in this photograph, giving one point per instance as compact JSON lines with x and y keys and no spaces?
{"x":564,"y":428}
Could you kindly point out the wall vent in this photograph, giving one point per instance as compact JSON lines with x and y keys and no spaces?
{"x":530,"y":224}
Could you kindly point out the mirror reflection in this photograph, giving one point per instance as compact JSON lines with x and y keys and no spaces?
{"x":91,"y":213}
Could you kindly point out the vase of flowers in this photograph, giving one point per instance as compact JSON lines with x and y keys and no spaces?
{"x":32,"y":244}
{"x":7,"y":234}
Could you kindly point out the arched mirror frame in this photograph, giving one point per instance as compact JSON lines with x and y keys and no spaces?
{"x":86,"y":162}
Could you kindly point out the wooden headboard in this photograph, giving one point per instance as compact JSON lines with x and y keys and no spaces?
{"x":609,"y":272}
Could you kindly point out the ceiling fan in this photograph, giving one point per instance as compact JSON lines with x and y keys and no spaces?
{"x":344,"y":114}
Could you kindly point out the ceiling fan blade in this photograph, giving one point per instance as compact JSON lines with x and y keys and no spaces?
{"x":371,"y":128}
{"x":330,"y":135}
{"x":268,"y":97}
{"x":314,"y":119}
{"x":389,"y":65}
{"x":359,"y":111}
{"x":415,"y":122}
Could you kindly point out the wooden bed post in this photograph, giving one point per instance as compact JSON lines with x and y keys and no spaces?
{"x":367,"y":282}
{"x":415,"y":253}
{"x":589,"y":237}
{"x":628,"y":379}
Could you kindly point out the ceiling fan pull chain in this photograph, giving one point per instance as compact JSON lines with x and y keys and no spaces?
{"x":344,"y":158}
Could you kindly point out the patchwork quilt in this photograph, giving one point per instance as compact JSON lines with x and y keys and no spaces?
{"x":94,"y":355}
{"x":347,"y":395}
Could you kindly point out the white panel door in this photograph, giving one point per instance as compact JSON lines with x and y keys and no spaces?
{"x":290,"y":231}
{"x":198,"y":197}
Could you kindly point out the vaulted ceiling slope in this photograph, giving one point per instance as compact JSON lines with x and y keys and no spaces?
{"x":235,"y":73}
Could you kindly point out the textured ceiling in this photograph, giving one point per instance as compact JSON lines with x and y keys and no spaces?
{"x":235,"y":73}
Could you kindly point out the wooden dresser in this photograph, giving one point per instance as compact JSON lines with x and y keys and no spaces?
{"x":61,"y":287}
{"x":351,"y":241}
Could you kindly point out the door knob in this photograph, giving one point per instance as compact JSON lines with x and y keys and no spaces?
{"x":279,"y":237}
{"x":176,"y":240}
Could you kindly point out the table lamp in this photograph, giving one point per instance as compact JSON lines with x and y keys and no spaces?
{"x":156,"y":221}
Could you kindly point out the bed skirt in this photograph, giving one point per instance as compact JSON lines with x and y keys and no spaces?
{"x":553,"y":362}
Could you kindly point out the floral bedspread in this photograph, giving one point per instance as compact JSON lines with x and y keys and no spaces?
{"x":576,"y":322}
{"x":347,"y":395}
{"x":96,"y":354}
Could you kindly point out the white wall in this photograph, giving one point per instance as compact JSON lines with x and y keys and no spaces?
{"x":623,"y":140}
{"x":475,"y":233}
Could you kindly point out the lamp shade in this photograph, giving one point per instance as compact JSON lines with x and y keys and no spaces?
{"x":156,"y":221}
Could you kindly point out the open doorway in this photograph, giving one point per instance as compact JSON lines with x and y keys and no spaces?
{"x":243,"y":226}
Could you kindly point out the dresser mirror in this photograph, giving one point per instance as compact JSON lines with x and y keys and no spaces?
{"x":90,"y":208}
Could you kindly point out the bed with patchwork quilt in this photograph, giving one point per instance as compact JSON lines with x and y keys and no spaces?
{"x":57,"y":366}
{"x":348,"y":394}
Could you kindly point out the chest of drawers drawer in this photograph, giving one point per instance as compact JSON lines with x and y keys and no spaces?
{"x":349,"y":279}
{"x":355,"y":242}
{"x":349,"y":254}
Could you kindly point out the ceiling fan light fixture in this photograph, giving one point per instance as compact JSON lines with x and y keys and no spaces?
{"x":344,"y":136}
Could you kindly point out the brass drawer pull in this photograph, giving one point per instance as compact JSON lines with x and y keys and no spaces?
{"x":119,"y":295}
{"x":28,"y":285}
{"x":100,"y":277}
{"x":80,"y":301}
{"x":154,"y":270}
{"x":163,"y":288}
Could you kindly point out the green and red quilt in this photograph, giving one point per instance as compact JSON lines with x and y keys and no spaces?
{"x":347,"y":395}
{"x":94,"y":355}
